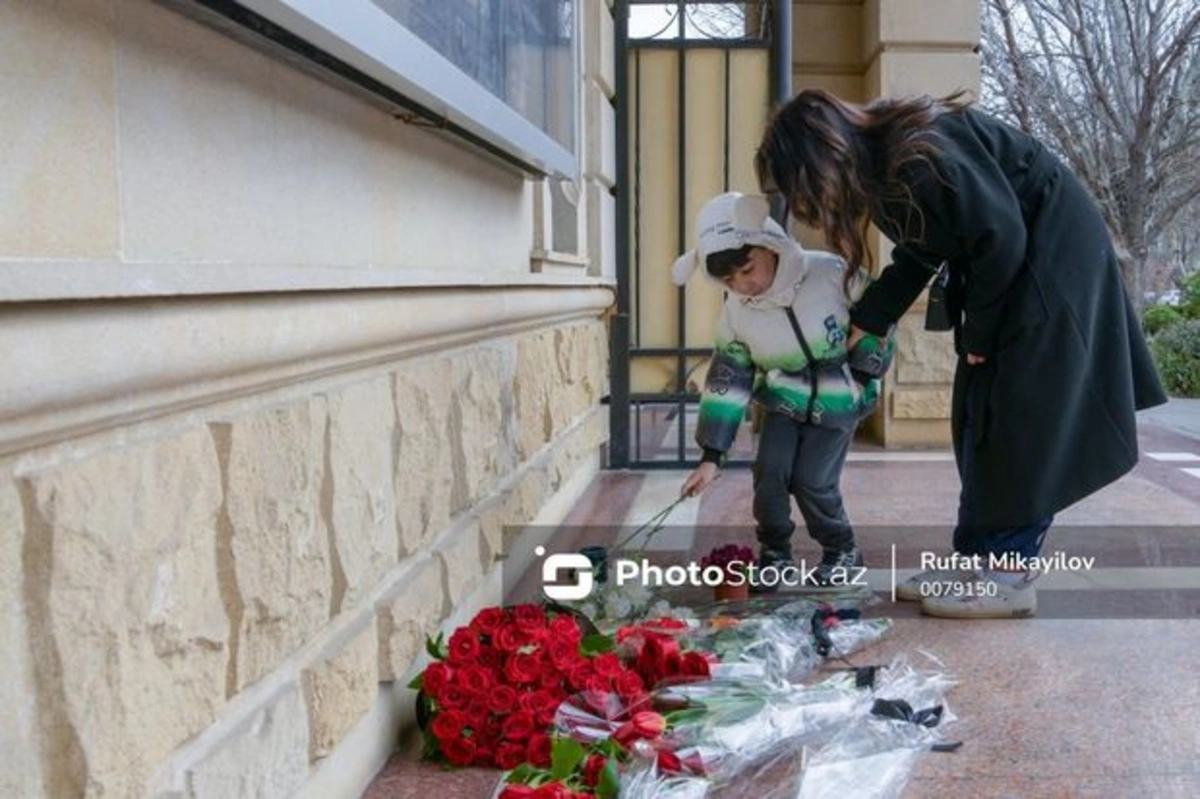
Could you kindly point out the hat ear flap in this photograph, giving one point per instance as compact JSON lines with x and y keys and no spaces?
{"x":751,"y":211}
{"x":683,"y":267}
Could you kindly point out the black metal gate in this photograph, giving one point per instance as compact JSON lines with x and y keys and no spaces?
{"x":653,"y":427}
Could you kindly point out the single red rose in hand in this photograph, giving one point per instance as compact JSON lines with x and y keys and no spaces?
{"x":458,"y":751}
{"x":592,"y":768}
{"x":464,"y":647}
{"x":694,"y":664}
{"x":519,"y":726}
{"x":539,"y":750}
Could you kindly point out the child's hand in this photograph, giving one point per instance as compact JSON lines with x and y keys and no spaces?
{"x":698,"y":480}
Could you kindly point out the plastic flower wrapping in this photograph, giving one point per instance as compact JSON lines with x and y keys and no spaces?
{"x":751,"y":699}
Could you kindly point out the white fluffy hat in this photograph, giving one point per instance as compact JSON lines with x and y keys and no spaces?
{"x":731,"y":221}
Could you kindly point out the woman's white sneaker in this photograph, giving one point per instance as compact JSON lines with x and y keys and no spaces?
{"x":926,"y":583}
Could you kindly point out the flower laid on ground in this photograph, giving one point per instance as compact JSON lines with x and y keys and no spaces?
{"x":655,"y":649}
{"x":731,"y":558}
{"x":583,"y":769}
{"x":495,"y":685}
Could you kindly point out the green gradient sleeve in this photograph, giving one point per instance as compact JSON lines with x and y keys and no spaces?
{"x":872,"y":355}
{"x":727,"y":391}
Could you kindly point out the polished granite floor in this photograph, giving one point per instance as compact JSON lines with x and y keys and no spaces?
{"x":1098,"y":696}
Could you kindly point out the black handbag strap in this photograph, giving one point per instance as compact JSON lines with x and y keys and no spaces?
{"x":812,"y":362}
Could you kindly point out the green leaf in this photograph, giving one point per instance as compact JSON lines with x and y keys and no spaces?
{"x":418,"y":682}
{"x":436,"y":647}
{"x":596,"y":645}
{"x":521,"y":774}
{"x":609,"y":784}
{"x":610,"y":749}
{"x":565,"y":756}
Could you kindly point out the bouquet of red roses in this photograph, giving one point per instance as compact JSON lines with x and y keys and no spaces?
{"x":491,"y":694}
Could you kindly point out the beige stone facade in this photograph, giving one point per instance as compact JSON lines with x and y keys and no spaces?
{"x":278,"y":371}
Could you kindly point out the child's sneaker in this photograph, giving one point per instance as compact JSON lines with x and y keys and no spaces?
{"x":839,"y":569}
{"x":776,"y":559}
{"x":986,"y":599}
{"x":921,"y":584}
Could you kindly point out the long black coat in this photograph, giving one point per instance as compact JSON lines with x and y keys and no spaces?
{"x":1035,"y":288}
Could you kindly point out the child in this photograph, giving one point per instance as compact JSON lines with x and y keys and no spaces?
{"x":781,"y":341}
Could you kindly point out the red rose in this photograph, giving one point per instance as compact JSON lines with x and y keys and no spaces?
{"x":487,"y":621}
{"x":477,"y":718}
{"x":518,"y":727}
{"x":529,"y":618}
{"x":484,"y":756}
{"x":509,"y":638}
{"x":669,"y":762}
{"x":578,"y":676}
{"x":453,"y":697}
{"x":509,"y":755}
{"x":554,"y":790}
{"x":437,"y":675}
{"x":448,"y":724}
{"x":598,"y":685}
{"x":464,"y":647}
{"x":502,"y":699}
{"x":550,"y":676}
{"x":591,"y":770}
{"x":645,"y":725}
{"x":561,"y":652}
{"x":565,"y":628}
{"x":458,"y":751}
{"x":521,"y":669}
{"x":489,"y":658}
{"x":607,"y":664}
{"x":538,"y":750}
{"x":476,"y":679}
{"x":694,"y":664}
{"x":517,"y":791}
{"x":629,"y":683}
{"x":529,"y":702}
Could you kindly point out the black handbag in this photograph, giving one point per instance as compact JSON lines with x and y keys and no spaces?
{"x":937,"y":312}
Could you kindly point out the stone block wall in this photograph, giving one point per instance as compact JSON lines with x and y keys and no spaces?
{"x":206,"y":605}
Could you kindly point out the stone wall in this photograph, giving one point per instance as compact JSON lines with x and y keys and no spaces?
{"x":206,"y":605}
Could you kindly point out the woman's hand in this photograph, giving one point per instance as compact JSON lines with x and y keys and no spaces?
{"x":699,"y":479}
{"x":857,"y":334}
{"x":974,"y":360}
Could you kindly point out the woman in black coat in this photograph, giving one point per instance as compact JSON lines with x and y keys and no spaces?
{"x":1052,"y":363}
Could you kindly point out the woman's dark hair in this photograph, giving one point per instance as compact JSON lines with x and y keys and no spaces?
{"x":724,"y":263}
{"x":833,"y":161}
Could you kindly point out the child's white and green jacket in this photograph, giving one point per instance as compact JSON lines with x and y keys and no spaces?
{"x":785,"y":348}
